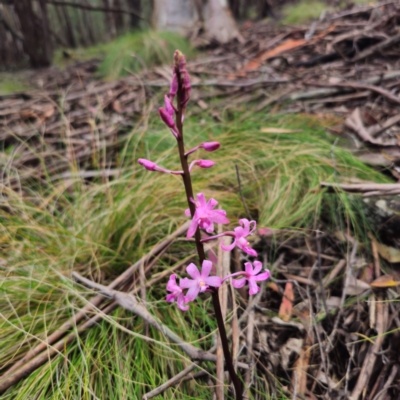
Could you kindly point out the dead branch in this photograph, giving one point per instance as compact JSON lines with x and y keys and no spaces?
{"x":378,"y":47}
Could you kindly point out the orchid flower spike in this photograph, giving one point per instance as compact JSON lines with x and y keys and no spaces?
{"x":205,"y":215}
{"x":177,"y":293}
{"x":250,"y":275}
{"x":201,"y":280}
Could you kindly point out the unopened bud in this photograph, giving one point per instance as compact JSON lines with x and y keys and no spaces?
{"x":149,"y":165}
{"x":167,"y":118}
{"x":168,"y":106}
{"x":205,"y":163}
{"x":210,"y":146}
{"x":173,"y":89}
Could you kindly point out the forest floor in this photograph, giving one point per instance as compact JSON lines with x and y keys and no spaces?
{"x":308,"y":116}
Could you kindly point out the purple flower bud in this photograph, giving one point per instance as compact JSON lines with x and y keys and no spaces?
{"x":168,"y":106}
{"x":210,"y":146}
{"x":173,"y":90}
{"x":205,"y":163}
{"x":148,"y":164}
{"x":167,"y":118}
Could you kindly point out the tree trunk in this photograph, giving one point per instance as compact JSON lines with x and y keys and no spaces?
{"x":183,"y":16}
{"x":36,"y":44}
{"x":136,"y":6}
{"x":109,"y":21}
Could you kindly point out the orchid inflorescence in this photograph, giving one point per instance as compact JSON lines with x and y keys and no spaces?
{"x":204,"y":214}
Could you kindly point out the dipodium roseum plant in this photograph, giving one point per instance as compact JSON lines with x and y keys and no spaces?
{"x":204,"y":216}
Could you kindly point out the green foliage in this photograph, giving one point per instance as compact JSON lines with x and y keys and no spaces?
{"x":100,"y":228}
{"x":13,"y":82}
{"x":140,"y":50}
{"x":306,"y":10}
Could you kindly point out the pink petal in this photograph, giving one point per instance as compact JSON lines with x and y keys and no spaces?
{"x":206,"y":268}
{"x":248,"y":268}
{"x":208,"y":226}
{"x":171,"y":285}
{"x":219,"y":216}
{"x":192,"y":293}
{"x":246,"y":225}
{"x":263,"y":276}
{"x":240,"y":232}
{"x":257,"y":267}
{"x":210,"y":146}
{"x":202,"y":200}
{"x":238,"y":283}
{"x":187,"y":212}
{"x":229,"y":247}
{"x":193,"y":271}
{"x":170,"y":297}
{"x":214,"y":281}
{"x":181,"y":300}
{"x":187,"y":283}
{"x":248,"y":250}
{"x":253,"y":288}
{"x":211,"y":204}
{"x":192,"y":228}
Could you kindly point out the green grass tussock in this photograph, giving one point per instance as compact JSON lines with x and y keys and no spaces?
{"x":100,"y":228}
{"x":135,"y":51}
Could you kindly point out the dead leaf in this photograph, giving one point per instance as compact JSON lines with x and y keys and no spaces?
{"x":279,"y":130}
{"x":385,"y":281}
{"x":355,"y":286}
{"x":285,"y":310}
{"x":390,"y":254}
{"x":289,"y":44}
{"x":300,"y":375}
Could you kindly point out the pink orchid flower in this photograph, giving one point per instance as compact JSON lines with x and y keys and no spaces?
{"x":240,"y":234}
{"x":205,"y":215}
{"x":201,"y":280}
{"x":208,"y":146}
{"x":177,"y":293}
{"x":201,"y":164}
{"x":251,"y":276}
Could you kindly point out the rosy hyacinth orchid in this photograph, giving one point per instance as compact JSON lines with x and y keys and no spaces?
{"x":201,"y":280}
{"x":251,"y":275}
{"x":239,"y":234}
{"x":205,"y":215}
{"x":177,"y":293}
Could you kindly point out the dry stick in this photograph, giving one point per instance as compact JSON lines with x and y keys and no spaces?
{"x":369,"y":362}
{"x":222,"y":270}
{"x":199,"y":246}
{"x":377,"y":47}
{"x":96,"y":301}
{"x":162,"y":388}
{"x":129,"y":302}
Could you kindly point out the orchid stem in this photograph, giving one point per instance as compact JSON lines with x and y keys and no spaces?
{"x":199,"y":246}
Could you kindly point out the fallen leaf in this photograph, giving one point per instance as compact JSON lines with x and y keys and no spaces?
{"x":390,"y":254}
{"x":355,"y":286}
{"x":299,"y":379}
{"x":285,"y":310}
{"x":384,"y":281}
